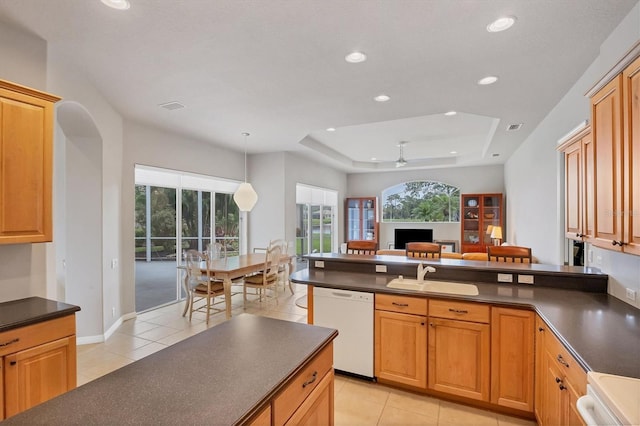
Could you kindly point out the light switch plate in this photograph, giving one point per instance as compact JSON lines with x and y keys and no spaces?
{"x":381,"y":268}
{"x":525,"y":279}
{"x":319,"y":264}
{"x":505,"y":278}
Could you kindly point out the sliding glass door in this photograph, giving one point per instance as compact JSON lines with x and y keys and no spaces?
{"x":315,"y":230}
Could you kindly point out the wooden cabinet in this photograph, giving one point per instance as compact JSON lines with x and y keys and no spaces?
{"x":308,"y":397}
{"x":26,"y":156}
{"x":541,"y":329}
{"x":631,"y":155}
{"x":561,"y":380}
{"x":512,"y":358}
{"x":401,"y":340}
{"x":39,"y":363}
{"x":362,"y":219}
{"x":479,"y":211}
{"x":458,"y":361}
{"x":579,"y":203}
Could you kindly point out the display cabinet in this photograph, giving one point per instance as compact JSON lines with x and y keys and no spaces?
{"x":478,"y":212}
{"x":362,"y":219}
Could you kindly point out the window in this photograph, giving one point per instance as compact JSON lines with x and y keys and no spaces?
{"x":421,"y":201}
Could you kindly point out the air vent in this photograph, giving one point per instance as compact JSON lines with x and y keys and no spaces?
{"x":513,"y":127}
{"x":172,"y":106}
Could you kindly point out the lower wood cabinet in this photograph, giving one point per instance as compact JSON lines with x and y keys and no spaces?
{"x":401,"y":340}
{"x":38,"y":363}
{"x":317,"y":409}
{"x":459,"y":358}
{"x":512,"y":358}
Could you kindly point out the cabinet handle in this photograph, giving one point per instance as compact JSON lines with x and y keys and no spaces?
{"x":13,"y":363}
{"x":431,"y":324}
{"x":558,"y":380}
{"x":421,"y":323}
{"x":579,"y":235}
{"x":16,"y":340}
{"x":562,"y":387}
{"x":619,"y":243}
{"x":458,"y":311}
{"x":404,"y":305}
{"x":540,"y":329}
{"x":562,"y":361}
{"x":314,"y":376}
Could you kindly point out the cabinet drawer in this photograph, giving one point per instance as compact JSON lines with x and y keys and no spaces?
{"x":403,"y":304}
{"x":29,"y":336}
{"x":462,"y":311}
{"x":290,"y":398}
{"x":568,"y":365}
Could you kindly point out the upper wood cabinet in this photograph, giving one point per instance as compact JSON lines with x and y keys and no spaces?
{"x":26,"y":155}
{"x":362,"y":219}
{"x":578,"y":184}
{"x":615,"y":115}
{"x":631,"y":155}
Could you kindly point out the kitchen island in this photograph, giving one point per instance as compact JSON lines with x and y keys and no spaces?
{"x":600,"y":331}
{"x":226,"y":375}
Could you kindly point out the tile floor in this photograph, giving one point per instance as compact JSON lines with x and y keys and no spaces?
{"x":357,"y":402}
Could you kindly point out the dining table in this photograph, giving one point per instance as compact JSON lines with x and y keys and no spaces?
{"x":233,"y":267}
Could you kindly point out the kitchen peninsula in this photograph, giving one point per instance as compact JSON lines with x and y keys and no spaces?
{"x":248,"y":370}
{"x":544,"y":315}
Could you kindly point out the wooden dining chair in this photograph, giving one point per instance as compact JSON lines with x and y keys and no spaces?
{"x":367,"y":247}
{"x":267,"y":279}
{"x":201,"y":286}
{"x":514,"y":254}
{"x":424,"y":250}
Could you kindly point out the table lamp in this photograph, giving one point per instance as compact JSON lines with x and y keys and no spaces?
{"x":496,"y":235}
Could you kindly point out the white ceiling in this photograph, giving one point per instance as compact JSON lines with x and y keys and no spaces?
{"x":276,"y":69}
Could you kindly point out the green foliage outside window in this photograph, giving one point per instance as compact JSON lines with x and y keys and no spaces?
{"x":421,"y":201}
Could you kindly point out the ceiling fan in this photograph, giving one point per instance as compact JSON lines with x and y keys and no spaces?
{"x":401,"y":162}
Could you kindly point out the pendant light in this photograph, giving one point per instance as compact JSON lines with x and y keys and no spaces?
{"x":245,"y":196}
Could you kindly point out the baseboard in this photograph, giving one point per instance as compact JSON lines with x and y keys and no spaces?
{"x":88,"y":340}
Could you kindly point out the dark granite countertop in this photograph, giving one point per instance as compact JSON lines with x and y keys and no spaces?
{"x":18,"y":313}
{"x":602,"y":332}
{"x":221,"y":376}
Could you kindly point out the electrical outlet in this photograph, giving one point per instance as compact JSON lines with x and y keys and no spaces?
{"x":525,"y":279}
{"x":114,"y":263}
{"x":381,"y":268}
{"x":113,"y":312}
{"x":505,"y":278}
{"x":631,"y":294}
{"x":319,"y":264}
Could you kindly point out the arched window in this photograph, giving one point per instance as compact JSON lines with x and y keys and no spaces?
{"x":421,"y":201}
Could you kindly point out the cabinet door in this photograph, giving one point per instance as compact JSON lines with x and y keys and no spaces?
{"x":551,"y":408}
{"x":570,"y":414}
{"x":573,"y":190}
{"x":401,"y":348}
{"x":588,"y":187}
{"x":539,"y":375}
{"x":26,"y":131}
{"x":631,"y":94}
{"x":459,"y":358}
{"x":317,"y":409}
{"x":606,"y":113}
{"x":38,"y":374}
{"x":512,"y":358}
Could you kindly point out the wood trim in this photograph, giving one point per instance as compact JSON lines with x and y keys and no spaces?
{"x":4,"y":84}
{"x":627,"y":58}
{"x":310,"y":304}
{"x":574,"y":135}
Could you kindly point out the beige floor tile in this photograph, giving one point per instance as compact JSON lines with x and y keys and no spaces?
{"x":108,"y":365}
{"x":396,"y":416}
{"x":145,"y":351}
{"x":177,"y":337}
{"x":420,"y":404}
{"x":455,"y":414}
{"x":122,"y":343}
{"x":82,"y":379}
{"x":353,"y":410}
{"x":135,"y":326}
{"x":158,"y":333}
{"x":146,"y":316}
{"x":504,"y":420}
{"x":372,"y":392}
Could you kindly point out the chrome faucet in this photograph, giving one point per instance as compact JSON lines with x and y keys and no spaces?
{"x":423,"y":270}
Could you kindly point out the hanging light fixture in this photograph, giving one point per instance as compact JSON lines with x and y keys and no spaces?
{"x":245,"y":196}
{"x":401,"y":162}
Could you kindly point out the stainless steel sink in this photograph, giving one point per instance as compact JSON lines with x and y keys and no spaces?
{"x":445,"y":287}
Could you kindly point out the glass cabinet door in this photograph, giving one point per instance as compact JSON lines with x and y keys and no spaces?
{"x":362,"y":219}
{"x":353,"y":221}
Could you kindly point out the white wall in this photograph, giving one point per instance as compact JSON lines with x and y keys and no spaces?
{"x":24,"y":58}
{"x":534,"y":174}
{"x":470,"y":180}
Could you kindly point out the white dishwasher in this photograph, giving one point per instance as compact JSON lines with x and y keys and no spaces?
{"x":351,"y":313}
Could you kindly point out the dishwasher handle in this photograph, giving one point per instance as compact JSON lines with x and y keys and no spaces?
{"x":585,"y":406}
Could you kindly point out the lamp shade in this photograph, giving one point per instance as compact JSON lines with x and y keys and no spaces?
{"x":489,"y":229}
{"x":245,"y":197}
{"x":496,"y":232}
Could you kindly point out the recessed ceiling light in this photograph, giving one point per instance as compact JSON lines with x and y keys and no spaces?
{"x":381,"y":98}
{"x":501,"y":24}
{"x":355,"y":57}
{"x":487,"y":80}
{"x":374,"y":159}
{"x":117,"y":4}
{"x":331,"y":129}
{"x":450,"y":113}
{"x":453,"y":152}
